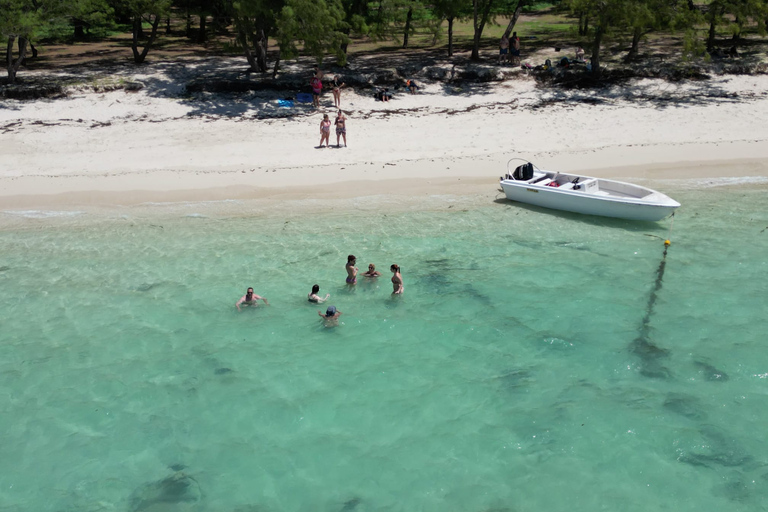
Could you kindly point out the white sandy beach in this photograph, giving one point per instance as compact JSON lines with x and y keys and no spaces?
{"x":129,"y":147}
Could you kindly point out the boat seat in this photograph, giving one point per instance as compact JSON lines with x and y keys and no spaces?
{"x":543,"y":182}
{"x":566,"y":186}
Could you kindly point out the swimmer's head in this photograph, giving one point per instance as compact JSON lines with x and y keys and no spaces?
{"x":249,"y":294}
{"x":330,"y":311}
{"x":351,"y":258}
{"x":394,"y":268}
{"x":315,"y":288}
{"x":371,"y":267}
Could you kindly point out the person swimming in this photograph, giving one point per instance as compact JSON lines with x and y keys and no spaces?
{"x":314,"y":297}
{"x":331,"y":316}
{"x":249,"y":299}
{"x":372,"y":272}
{"x":351,"y":269}
{"x":397,"y":280}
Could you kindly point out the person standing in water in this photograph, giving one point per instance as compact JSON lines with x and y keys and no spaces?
{"x":331,"y":316}
{"x":249,"y":299}
{"x":351,"y":269}
{"x":397,"y":280}
{"x":314,"y":297}
{"x":372,"y":272}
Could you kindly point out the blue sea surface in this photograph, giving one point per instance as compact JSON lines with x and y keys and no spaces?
{"x":537,"y":361}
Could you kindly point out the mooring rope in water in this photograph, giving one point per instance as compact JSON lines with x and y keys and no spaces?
{"x":657,"y":286}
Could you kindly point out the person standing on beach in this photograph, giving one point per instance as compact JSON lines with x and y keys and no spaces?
{"x":317,"y":87}
{"x":314,"y":297}
{"x":504,"y":49}
{"x":249,"y":299}
{"x":325,"y":131}
{"x":515,"y":49}
{"x":341,"y":128}
{"x":331,"y":316}
{"x":337,"y":85}
{"x":397,"y":280}
{"x":351,"y":269}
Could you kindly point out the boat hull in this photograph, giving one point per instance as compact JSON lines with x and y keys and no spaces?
{"x":580,"y":202}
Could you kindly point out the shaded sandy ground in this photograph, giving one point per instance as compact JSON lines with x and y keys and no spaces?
{"x":160,"y":143}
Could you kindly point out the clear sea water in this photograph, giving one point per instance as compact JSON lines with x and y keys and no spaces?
{"x":514,"y":373}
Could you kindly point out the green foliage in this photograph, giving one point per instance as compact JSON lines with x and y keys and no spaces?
{"x":694,"y":47}
{"x":318,"y":24}
{"x":28,"y":18}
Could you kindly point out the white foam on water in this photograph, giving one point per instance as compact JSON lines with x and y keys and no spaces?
{"x":43,"y":214}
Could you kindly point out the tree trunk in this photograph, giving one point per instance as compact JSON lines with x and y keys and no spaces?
{"x":277,"y":65}
{"x":711,"y":36}
{"x":713,"y":15}
{"x":201,"y":34}
{"x":582,"y":17}
{"x":408,"y":19}
{"x":138,"y":58}
{"x":450,"y":37}
{"x":188,"y":30}
{"x":261,"y":51}
{"x":168,"y":25}
{"x":635,"y":44}
{"x":595,"y":61}
{"x":479,"y":20}
{"x":515,"y":16}
{"x":13,"y":65}
{"x":79,"y":29}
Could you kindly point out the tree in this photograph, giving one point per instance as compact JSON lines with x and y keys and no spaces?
{"x":741,"y":11}
{"x":645,"y":16}
{"x":255,"y":21}
{"x":150,"y":11}
{"x":450,"y":10}
{"x":606,"y":16}
{"x":481,"y":11}
{"x":318,"y":24}
{"x":356,"y":19}
{"x":485,"y":11}
{"x":86,"y":14}
{"x":22,"y":20}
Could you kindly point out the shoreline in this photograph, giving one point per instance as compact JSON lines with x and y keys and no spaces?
{"x":118,"y":148}
{"x":452,"y":176}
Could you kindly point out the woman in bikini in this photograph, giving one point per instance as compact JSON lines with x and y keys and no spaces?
{"x":325,"y":130}
{"x":337,"y":90}
{"x":314,"y":297}
{"x":372,"y":272}
{"x":351,"y":269}
{"x":341,"y":128}
{"x":397,"y":280}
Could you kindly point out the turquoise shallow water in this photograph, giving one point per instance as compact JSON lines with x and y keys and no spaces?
{"x":511,"y":375}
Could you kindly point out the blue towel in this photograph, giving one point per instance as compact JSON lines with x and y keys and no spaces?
{"x":304,"y":97}
{"x":285,"y":103}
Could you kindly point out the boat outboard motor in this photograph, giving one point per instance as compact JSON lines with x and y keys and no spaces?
{"x":523,"y":172}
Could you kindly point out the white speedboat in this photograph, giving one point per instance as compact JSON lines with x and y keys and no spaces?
{"x":583,"y":194}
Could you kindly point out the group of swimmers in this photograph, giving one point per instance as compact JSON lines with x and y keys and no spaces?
{"x":331,"y":316}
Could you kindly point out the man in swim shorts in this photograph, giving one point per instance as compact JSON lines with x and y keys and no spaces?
{"x":249,"y":299}
{"x":504,"y":49}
